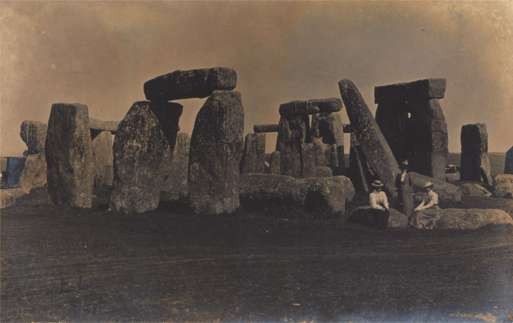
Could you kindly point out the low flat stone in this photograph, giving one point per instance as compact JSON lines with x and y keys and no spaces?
{"x":33,"y":134}
{"x":262,"y":128}
{"x":197,"y":83}
{"x":504,"y":186}
{"x":447,"y":192}
{"x":471,"y":219}
{"x":474,"y":189}
{"x":425,"y":89}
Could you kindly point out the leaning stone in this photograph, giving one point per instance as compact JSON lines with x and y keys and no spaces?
{"x":504,"y":186}
{"x":293,"y":133}
{"x":475,"y":163}
{"x":447,"y":192}
{"x":100,"y":125}
{"x":103,"y":158}
{"x":33,"y":134}
{"x":262,"y":128}
{"x":472,"y":219}
{"x":141,"y":146}
{"x":175,"y":170}
{"x":216,"y":151}
{"x":69,"y":156}
{"x":198,"y":83}
{"x":308,"y":164}
{"x":508,"y":163}
{"x":274,"y":163}
{"x":417,"y":90}
{"x":34,"y":172}
{"x":474,"y":189}
{"x":253,"y":159}
{"x":372,"y":144}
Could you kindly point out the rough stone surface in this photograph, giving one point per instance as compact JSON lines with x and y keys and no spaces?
{"x":216,"y":151}
{"x":253,"y":159}
{"x":474,"y":189}
{"x":262,"y":128}
{"x":294,"y":131}
{"x":428,"y":139}
{"x":198,"y":83}
{"x":101,"y":125}
{"x":417,"y":90}
{"x":103,"y":158}
{"x":33,"y":134}
{"x":297,"y":108}
{"x":274,"y":163}
{"x":447,"y":192}
{"x":471,"y":219}
{"x":371,"y":141}
{"x":327,"y":105}
{"x":475,"y":163}
{"x":315,"y":196}
{"x":69,"y":156}
{"x":504,"y":186}
{"x":34,"y":172}
{"x":508,"y":162}
{"x":308,"y":164}
{"x":329,"y":127}
{"x":358,"y":168}
{"x":363,"y":215}
{"x":9,"y":196}
{"x":141,"y":146}
{"x":323,"y":171}
{"x":174,"y":171}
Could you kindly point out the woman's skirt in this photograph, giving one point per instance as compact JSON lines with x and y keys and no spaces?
{"x":426,"y":219}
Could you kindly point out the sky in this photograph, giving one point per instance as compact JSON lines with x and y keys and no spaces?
{"x":101,"y":53}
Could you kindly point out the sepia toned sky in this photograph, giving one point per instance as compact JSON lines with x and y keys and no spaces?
{"x":100,"y":54}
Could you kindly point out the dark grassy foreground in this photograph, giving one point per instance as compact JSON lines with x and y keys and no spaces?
{"x":60,"y":264}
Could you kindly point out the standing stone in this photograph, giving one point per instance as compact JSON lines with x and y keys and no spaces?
{"x":216,"y":151}
{"x":69,"y":156}
{"x":198,"y":83}
{"x":274,"y":164}
{"x":253,"y":159}
{"x":308,"y":165}
{"x":34,"y":172}
{"x":475,"y":163}
{"x":33,"y":134}
{"x":175,"y":171}
{"x":508,"y":163}
{"x":329,"y":127}
{"x":322,"y":152}
{"x":141,"y":146}
{"x":293,"y":133}
{"x":393,"y":120}
{"x":371,"y":141}
{"x":103,"y":158}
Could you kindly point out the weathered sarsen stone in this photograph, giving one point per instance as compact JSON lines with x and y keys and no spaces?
{"x":101,"y":125}
{"x":34,"y":172}
{"x":144,"y":141}
{"x":175,"y":171}
{"x":216,"y":151}
{"x":425,"y":89}
{"x":372,"y":144}
{"x":274,"y":163}
{"x":69,"y":156}
{"x":508,"y":162}
{"x":253,"y":159}
{"x":262,"y":128}
{"x":198,"y":83}
{"x":33,"y":134}
{"x":103,"y":158}
{"x":475,"y":163}
{"x":294,"y":131}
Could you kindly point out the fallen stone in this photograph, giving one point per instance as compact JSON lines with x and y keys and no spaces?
{"x":323,"y":171}
{"x":100,"y":125}
{"x":504,"y":186}
{"x":9,"y":196}
{"x":371,"y":141}
{"x":474,"y":189}
{"x":141,"y":147}
{"x":447,"y":192}
{"x":33,"y":134}
{"x":411,"y":91}
{"x":293,"y":133}
{"x":253,"y":158}
{"x":471,"y":219}
{"x":69,"y":156}
{"x":103,"y":159}
{"x":34,"y":172}
{"x":174,"y":172}
{"x":475,"y":163}
{"x":198,"y":83}
{"x":262,"y":128}
{"x":216,"y":151}
{"x":508,"y":162}
{"x":364,"y":215}
{"x":274,"y":163}
{"x":317,"y":197}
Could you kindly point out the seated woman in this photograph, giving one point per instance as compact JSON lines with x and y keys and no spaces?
{"x":378,"y":202}
{"x":427,"y":212}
